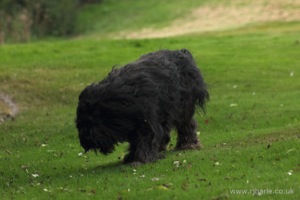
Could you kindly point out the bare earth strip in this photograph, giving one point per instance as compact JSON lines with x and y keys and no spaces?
{"x":8,"y":109}
{"x":236,"y":13}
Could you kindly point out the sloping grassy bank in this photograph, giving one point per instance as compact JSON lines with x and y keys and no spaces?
{"x":250,"y":132}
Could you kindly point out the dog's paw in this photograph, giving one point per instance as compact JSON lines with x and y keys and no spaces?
{"x":161,"y":156}
{"x":128,"y":159}
{"x":188,"y":146}
{"x":135,"y":164}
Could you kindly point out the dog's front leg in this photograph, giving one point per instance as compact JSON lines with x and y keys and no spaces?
{"x":145,"y":147}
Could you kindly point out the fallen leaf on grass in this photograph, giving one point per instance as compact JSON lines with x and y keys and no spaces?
{"x":230,"y":178}
{"x":290,"y":150}
{"x":9,"y":152}
{"x":62,"y":189}
{"x":155,"y":179}
{"x":24,"y":167}
{"x":176,"y":163}
{"x":167,"y":185}
{"x":290,"y":172}
{"x":162,"y":187}
{"x":34,"y":175}
{"x":184,"y":186}
{"x":93,"y":191}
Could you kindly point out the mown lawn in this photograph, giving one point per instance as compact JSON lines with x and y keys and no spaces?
{"x":250,"y":131}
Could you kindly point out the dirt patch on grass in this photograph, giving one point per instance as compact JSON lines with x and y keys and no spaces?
{"x":234,"y":14}
{"x":8,"y":109}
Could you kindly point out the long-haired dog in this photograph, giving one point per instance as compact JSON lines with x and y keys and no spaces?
{"x":140,"y":103}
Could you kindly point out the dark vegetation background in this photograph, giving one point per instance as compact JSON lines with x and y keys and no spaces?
{"x":21,"y":20}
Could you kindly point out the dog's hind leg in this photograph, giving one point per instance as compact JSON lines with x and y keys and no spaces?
{"x":187,"y":137}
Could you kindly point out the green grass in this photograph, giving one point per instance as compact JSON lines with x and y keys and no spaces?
{"x":250,"y":131}
{"x":256,"y":142}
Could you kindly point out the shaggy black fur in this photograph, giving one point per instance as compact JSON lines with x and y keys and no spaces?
{"x":140,"y":103}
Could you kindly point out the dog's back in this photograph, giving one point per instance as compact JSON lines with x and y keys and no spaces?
{"x":189,"y":80}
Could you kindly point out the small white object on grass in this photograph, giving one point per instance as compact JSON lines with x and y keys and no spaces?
{"x":155,"y":179}
{"x":35,"y":175}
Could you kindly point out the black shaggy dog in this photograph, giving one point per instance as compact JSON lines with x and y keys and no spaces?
{"x":140,"y":103}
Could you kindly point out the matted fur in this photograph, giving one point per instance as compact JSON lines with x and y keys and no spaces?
{"x":140,"y":103}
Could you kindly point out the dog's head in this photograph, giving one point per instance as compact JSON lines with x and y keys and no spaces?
{"x":92,"y":135}
{"x":95,"y":139}
{"x":90,"y":123}
{"x":103,"y":118}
